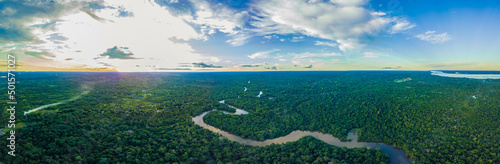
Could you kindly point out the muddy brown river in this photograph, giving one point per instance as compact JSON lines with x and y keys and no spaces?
{"x":396,"y":156}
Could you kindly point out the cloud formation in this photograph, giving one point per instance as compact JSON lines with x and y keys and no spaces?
{"x":343,"y":21}
{"x":127,"y":35}
{"x":210,"y":18}
{"x":118,"y":53}
{"x":320,"y":43}
{"x":401,"y":25}
{"x":16,"y":15}
{"x":262,"y":55}
{"x":148,"y":31}
{"x":432,"y":37}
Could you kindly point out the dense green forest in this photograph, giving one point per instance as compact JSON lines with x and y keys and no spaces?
{"x":433,"y":119}
{"x":139,"y":117}
{"x":142,"y":118}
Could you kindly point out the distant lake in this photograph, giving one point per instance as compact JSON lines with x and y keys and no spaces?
{"x":468,"y":74}
{"x":471,"y":72}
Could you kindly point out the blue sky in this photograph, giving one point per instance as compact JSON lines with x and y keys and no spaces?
{"x":201,"y":35}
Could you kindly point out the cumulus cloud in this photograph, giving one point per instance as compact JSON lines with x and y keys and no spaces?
{"x":156,"y":33}
{"x":262,"y":55}
{"x":217,"y":17}
{"x":432,"y":37}
{"x":340,"y":20}
{"x":117,"y":53}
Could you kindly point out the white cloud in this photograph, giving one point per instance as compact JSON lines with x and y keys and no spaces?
{"x":378,"y":13}
{"x":342,"y":20}
{"x":297,"y":39}
{"x":213,"y":59}
{"x":320,"y":43}
{"x":262,"y":55}
{"x":432,"y":37}
{"x":217,"y":17}
{"x":209,"y":18}
{"x":348,"y":44}
{"x":155,"y":36}
{"x":349,"y":2}
{"x":147,"y":35}
{"x":370,"y":55}
{"x":400,"y":25}
{"x":238,"y":39}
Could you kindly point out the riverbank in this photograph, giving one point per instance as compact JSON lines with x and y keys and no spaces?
{"x":395,"y":155}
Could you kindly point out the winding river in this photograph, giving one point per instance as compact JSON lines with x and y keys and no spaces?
{"x":395,"y":155}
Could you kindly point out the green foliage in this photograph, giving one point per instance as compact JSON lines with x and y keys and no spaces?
{"x":433,"y":119}
{"x":139,"y":118}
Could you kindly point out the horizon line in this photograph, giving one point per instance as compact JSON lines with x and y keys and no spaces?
{"x":198,"y":71}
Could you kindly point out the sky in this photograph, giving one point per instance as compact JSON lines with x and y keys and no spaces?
{"x":249,"y":35}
